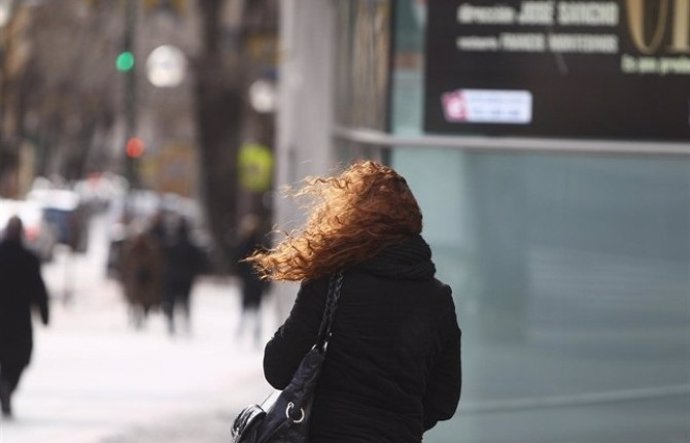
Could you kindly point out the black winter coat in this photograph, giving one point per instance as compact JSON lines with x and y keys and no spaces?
{"x":183,"y":262}
{"x":21,"y":287}
{"x":392,"y":368}
{"x":253,"y":286}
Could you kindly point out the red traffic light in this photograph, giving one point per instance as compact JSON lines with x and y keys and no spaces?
{"x":134,"y":147}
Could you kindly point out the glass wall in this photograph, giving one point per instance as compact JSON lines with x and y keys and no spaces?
{"x":571,"y":280}
{"x":362,"y":88}
{"x":571,"y":275}
{"x":362,"y":74}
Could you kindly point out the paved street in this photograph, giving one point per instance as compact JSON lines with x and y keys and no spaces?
{"x":95,"y":379}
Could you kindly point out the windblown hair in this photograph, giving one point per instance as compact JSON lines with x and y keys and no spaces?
{"x":351,"y":217}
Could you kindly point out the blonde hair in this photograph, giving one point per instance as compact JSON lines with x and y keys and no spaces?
{"x":352,"y":216}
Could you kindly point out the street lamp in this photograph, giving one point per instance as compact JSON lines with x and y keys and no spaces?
{"x":263,"y":96}
{"x":166,"y":67}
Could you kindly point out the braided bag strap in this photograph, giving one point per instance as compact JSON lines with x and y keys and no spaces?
{"x":335,"y":285}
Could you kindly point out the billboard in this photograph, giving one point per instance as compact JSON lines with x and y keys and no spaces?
{"x":559,"y":68}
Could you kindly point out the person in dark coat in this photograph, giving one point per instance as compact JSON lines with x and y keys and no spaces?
{"x":142,"y":276}
{"x":21,"y":288}
{"x":183,"y":262}
{"x":252,"y":286}
{"x":393,"y":365}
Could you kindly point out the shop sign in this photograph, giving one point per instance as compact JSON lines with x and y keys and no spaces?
{"x":255,"y":164}
{"x":559,"y":68}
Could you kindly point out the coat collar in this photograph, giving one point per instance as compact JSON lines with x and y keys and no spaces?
{"x":408,"y":260}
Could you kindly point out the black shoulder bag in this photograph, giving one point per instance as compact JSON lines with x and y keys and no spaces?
{"x":287,"y":419}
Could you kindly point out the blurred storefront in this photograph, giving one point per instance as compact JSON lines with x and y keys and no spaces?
{"x":169,"y":171}
{"x":557,"y":205}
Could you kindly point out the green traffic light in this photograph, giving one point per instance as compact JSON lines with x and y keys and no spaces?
{"x":124,"y":61}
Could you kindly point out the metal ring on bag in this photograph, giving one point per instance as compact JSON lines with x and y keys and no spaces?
{"x":290,"y":406}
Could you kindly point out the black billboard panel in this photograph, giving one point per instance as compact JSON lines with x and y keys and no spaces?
{"x":559,"y":68}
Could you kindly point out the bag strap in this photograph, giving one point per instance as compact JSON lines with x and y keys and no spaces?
{"x":335,"y":285}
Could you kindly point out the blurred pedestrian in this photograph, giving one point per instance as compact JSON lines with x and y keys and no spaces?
{"x":183,"y":263}
{"x":252,"y":286}
{"x":142,"y":275}
{"x":21,"y":289}
{"x":392,"y":368}
{"x":158,"y":228}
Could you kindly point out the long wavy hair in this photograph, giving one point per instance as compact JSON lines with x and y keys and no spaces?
{"x":351,"y":217}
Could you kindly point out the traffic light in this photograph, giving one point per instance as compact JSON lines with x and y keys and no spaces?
{"x":124,"y":61}
{"x":134,"y":147}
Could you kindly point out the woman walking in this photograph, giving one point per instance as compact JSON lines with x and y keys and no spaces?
{"x":183,"y":263}
{"x":253,"y":287}
{"x":21,"y":290}
{"x":392,"y":369}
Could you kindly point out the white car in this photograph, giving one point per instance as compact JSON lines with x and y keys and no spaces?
{"x":39,"y":235}
{"x":64,"y":210}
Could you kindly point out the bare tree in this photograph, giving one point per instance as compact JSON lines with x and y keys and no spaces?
{"x":57,"y":86}
{"x":70,"y":95}
{"x":223,"y":70}
{"x":14,"y":53}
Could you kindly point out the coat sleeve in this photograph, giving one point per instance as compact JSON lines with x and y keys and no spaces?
{"x":443,"y":391}
{"x":39,"y":294}
{"x":296,"y":336}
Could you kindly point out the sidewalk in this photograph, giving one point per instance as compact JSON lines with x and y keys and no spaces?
{"x":94,"y":379}
{"x":209,"y":427}
{"x":209,"y":421}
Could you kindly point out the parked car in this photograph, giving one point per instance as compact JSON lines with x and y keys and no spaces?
{"x":64,"y":210}
{"x":39,"y":235}
{"x":98,"y":190}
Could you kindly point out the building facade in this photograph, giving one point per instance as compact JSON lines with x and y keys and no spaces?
{"x":568,"y":256}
